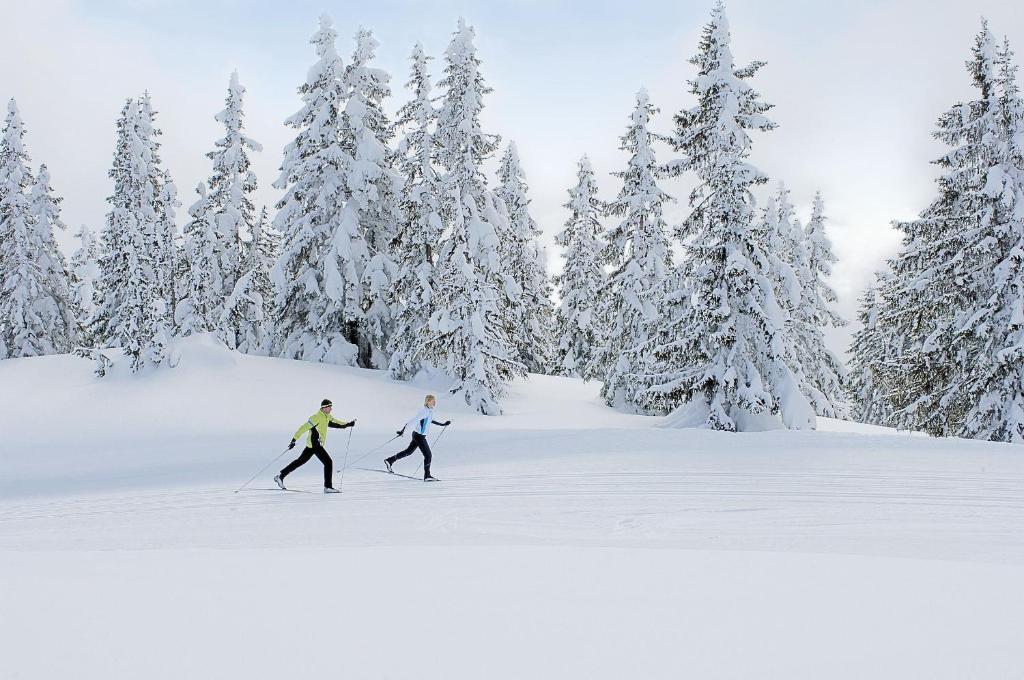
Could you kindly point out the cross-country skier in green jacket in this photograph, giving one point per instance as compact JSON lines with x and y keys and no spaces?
{"x":316,"y":426}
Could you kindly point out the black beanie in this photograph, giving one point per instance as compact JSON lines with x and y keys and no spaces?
{"x":325,"y":402}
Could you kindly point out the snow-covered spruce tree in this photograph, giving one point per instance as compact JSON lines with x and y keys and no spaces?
{"x":229,"y":206}
{"x":724,"y":355}
{"x":582,"y":281}
{"x":995,"y":327}
{"x":113,"y":261}
{"x":528,"y":287}
{"x":85,"y":283}
{"x":374,"y":189}
{"x":165,"y":237}
{"x":319,"y":275}
{"x":419,"y":230}
{"x":16,"y":264}
{"x":57,"y":306}
{"x":248,"y":310}
{"x":36,"y":313}
{"x":800,"y":259}
{"x":465,"y":336}
{"x":135,"y":263}
{"x":822,"y":368}
{"x":939,"y":274}
{"x":219,"y":218}
{"x":639,"y":253}
{"x":868,"y":354}
{"x":201,"y":303}
{"x":782,"y":238}
{"x":366,"y":135}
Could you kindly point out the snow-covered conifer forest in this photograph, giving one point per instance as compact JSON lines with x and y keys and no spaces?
{"x":393,"y":247}
{"x":603,"y":365}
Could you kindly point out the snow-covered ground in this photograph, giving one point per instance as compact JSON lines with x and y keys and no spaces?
{"x":567,"y":540}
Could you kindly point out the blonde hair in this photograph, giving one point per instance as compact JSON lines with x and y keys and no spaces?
{"x":429,"y":398}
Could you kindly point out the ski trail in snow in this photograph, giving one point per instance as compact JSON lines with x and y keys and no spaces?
{"x":971,"y":516}
{"x":824,"y":488}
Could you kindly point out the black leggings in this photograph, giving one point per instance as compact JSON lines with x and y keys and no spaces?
{"x":418,"y":441}
{"x":307,"y":453}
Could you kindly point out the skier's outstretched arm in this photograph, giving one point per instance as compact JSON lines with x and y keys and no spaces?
{"x":444,"y":424}
{"x":341,"y":424}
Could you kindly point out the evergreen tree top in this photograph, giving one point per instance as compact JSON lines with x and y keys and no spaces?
{"x":12,"y":142}
{"x":145,"y":121}
{"x":463,"y":143}
{"x":15,"y":171}
{"x":324,"y":39}
{"x":585,"y":188}
{"x":966,"y":126}
{"x":819,"y":241}
{"x":983,"y":63}
{"x":1011,"y":103}
{"x":420,"y":109}
{"x":327,"y":72}
{"x":727,"y":105}
{"x":232,"y":117}
{"x":419,"y":55}
{"x":419,"y":75}
{"x":463,"y":64}
{"x":513,"y":191}
{"x":366,"y":47}
{"x":461,"y":49}
{"x":639,"y":186}
{"x":510,"y":170}
{"x":323,"y":95}
{"x":716,"y":66}
{"x":47,"y":205}
{"x":584,"y":207}
{"x":368,"y":86}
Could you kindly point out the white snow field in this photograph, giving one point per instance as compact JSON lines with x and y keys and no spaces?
{"x":567,"y":540}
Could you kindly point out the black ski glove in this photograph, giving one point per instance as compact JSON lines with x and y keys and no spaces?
{"x":350,"y":424}
{"x":447,"y":423}
{"x":291,"y":445}
{"x":401,"y":432}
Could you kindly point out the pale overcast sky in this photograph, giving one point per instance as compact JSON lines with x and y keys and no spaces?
{"x":857,"y":87}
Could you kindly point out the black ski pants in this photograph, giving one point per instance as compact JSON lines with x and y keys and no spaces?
{"x":307,"y":453}
{"x":420,"y":442}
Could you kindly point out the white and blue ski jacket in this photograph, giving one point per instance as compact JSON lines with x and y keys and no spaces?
{"x":420,"y":423}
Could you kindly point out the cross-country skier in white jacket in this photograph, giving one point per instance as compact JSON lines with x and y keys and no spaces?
{"x":419,"y":423}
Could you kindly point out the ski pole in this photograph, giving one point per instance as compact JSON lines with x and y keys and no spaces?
{"x":348,"y":445}
{"x":376,"y":448}
{"x":443,"y":430}
{"x":260,"y":471}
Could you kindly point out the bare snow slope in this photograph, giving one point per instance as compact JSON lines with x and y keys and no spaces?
{"x":567,"y":540}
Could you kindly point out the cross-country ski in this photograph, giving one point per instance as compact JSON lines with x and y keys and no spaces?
{"x":399,"y":474}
